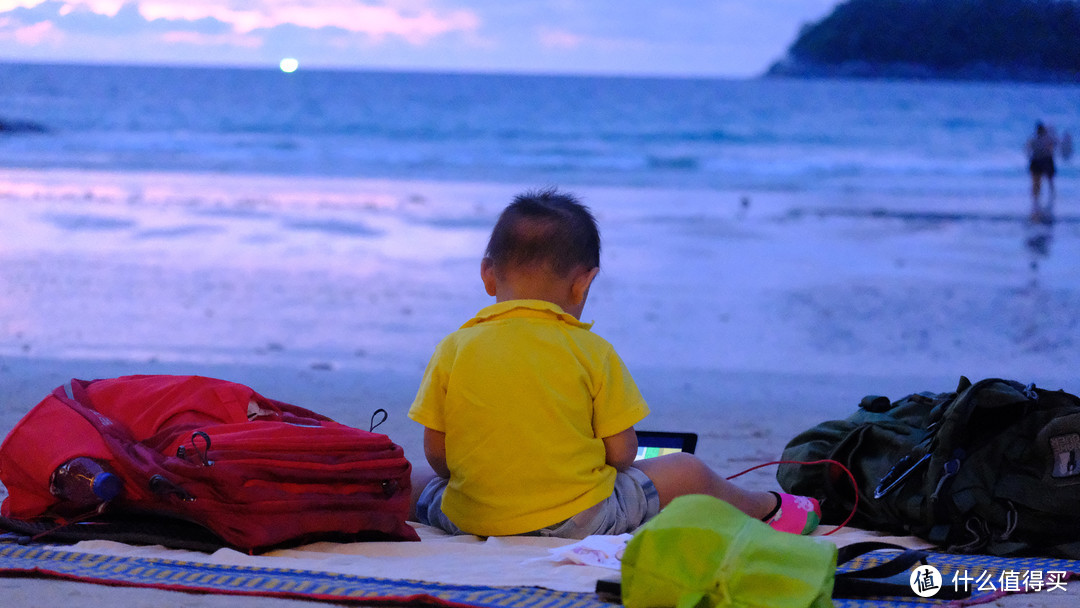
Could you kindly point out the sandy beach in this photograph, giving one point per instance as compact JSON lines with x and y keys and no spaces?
{"x":745,"y":324}
{"x":733,"y":444}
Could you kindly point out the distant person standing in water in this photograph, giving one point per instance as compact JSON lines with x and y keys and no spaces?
{"x":1040,"y":150}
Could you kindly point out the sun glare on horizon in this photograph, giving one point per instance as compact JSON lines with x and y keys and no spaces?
{"x":289,"y":65}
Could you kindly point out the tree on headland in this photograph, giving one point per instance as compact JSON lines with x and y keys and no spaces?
{"x":995,"y":39}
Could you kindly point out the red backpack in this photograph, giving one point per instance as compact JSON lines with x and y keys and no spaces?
{"x":256,"y":472}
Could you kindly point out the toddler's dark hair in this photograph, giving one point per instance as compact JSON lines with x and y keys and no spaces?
{"x":545,"y":226}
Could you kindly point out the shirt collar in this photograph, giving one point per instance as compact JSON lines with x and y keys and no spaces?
{"x":525,"y":308}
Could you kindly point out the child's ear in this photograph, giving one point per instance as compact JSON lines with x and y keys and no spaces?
{"x":579,"y":290}
{"x":487,"y":275}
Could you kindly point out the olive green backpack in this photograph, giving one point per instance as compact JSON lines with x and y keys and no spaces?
{"x":990,"y":468}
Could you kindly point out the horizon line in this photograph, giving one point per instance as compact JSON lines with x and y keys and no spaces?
{"x":328,"y":68}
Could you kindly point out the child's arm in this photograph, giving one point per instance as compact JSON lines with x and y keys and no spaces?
{"x":435,"y":451}
{"x":621,"y":449}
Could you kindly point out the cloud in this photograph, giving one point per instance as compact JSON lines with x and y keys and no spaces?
{"x":415,"y":23}
{"x":417,"y":27}
{"x":689,"y":37}
{"x":81,"y":19}
{"x":35,"y":34}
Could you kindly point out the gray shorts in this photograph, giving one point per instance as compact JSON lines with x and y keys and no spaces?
{"x":633,"y":502}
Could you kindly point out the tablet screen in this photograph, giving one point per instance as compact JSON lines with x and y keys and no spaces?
{"x":658,"y":443}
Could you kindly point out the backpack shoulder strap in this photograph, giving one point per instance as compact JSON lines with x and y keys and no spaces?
{"x":889,"y":578}
{"x":137,"y":464}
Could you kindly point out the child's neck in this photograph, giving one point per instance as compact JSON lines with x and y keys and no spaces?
{"x":535,"y":284}
{"x":546,"y":295}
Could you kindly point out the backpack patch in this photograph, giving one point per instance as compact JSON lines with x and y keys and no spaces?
{"x":1065,"y":449}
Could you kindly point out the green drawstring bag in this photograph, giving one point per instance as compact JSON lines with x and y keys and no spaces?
{"x":701,"y":552}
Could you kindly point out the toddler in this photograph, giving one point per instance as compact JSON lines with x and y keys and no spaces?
{"x":529,"y":416}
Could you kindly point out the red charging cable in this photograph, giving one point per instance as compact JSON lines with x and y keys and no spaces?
{"x":854,"y":485}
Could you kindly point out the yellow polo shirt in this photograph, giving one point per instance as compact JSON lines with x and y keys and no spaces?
{"x":525,"y":394}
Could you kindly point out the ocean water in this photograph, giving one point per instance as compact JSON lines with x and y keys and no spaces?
{"x":335,"y":220}
{"x":854,"y":141}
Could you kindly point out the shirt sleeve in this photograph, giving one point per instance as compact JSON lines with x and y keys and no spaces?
{"x":618,"y":404}
{"x":428,"y":406}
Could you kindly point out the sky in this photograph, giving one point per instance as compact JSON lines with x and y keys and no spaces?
{"x":725,"y":38}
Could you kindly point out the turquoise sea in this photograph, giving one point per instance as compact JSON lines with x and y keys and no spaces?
{"x":839,"y":138}
{"x":334,"y":220}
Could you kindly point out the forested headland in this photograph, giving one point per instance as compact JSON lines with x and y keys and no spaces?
{"x":1036,"y":40}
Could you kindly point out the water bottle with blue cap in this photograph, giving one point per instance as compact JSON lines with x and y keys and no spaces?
{"x":84,"y":483}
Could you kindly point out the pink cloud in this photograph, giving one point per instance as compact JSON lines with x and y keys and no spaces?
{"x":378,"y":21}
{"x":39,"y":33}
{"x":242,"y":20}
{"x":382,"y":21}
{"x":101,"y":7}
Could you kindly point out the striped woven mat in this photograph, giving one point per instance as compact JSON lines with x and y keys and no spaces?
{"x":988,"y":577}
